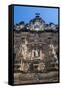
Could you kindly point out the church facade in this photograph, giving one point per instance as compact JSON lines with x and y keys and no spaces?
{"x":36,"y":51}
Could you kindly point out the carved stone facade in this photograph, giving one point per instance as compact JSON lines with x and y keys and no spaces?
{"x":33,"y":50}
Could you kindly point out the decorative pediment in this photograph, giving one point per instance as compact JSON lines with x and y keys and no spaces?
{"x":36,"y":24}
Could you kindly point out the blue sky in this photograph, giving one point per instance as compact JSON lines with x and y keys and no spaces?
{"x":25,"y":14}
